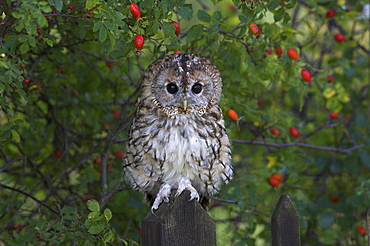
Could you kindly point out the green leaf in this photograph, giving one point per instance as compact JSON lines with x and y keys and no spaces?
{"x":168,"y":29}
{"x":32,"y":41}
{"x":108,"y":214}
{"x":186,"y":12}
{"x":217,"y":15}
{"x":96,"y":229}
{"x":194,"y":33}
{"x":94,"y":216}
{"x":203,"y":16}
{"x":15,"y":136}
{"x":328,"y":237}
{"x":91,"y":3}
{"x":108,"y":236}
{"x":109,"y":25}
{"x":16,"y":15}
{"x":326,"y":219}
{"x":103,"y":34}
{"x":273,"y":5}
{"x":112,"y":40}
{"x":329,"y":92}
{"x":24,"y":48}
{"x":97,"y":26}
{"x":58,"y":5}
{"x":93,"y":205}
{"x":23,"y":38}
{"x":365,"y":157}
{"x":279,"y":14}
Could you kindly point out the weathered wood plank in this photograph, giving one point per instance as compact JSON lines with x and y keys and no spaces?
{"x":285,"y":223}
{"x":181,"y":223}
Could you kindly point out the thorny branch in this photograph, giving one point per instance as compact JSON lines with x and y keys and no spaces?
{"x":299,"y":144}
{"x":32,"y":197}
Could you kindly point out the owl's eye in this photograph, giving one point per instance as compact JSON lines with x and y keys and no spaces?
{"x":197,"y":88}
{"x":172,"y":88}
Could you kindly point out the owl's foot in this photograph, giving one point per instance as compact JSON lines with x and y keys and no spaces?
{"x":185,"y":184}
{"x":163,"y":195}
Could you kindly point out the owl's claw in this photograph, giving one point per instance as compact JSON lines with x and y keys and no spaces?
{"x":185,"y":184}
{"x":163,"y":195}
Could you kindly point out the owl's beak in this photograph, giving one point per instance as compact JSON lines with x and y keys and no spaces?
{"x":185,"y":104}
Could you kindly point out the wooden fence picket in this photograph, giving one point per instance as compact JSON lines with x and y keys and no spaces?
{"x":186,"y":223}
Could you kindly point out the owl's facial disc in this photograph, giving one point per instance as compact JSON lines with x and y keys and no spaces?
{"x":185,"y":84}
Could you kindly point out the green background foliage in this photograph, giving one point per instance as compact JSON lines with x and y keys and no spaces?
{"x":69,"y":78}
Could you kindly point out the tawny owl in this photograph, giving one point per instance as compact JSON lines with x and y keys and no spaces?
{"x":177,"y":139}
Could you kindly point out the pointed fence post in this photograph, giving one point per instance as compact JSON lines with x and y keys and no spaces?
{"x":182,"y":223}
{"x":285,"y":223}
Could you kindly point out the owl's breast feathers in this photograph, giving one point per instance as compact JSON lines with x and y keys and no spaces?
{"x":163,"y":148}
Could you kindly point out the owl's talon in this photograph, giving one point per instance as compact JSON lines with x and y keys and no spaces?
{"x":185,"y":184}
{"x":163,"y":195}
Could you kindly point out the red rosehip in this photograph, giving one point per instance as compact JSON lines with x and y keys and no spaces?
{"x":260,"y":103}
{"x":232,"y":114}
{"x":294,"y":132}
{"x":177,"y":52}
{"x":333,"y":115}
{"x":292,"y":54}
{"x":20,"y":226}
{"x":59,"y":236}
{"x":139,"y":42}
{"x":106,"y":126}
{"x":26,"y":80}
{"x":10,"y":232}
{"x":70,"y":6}
{"x":274,"y":182}
{"x":334,"y":198}
{"x":15,"y":226}
{"x":177,"y":27}
{"x":98,"y":160}
{"x":306,"y":75}
{"x":274,"y":131}
{"x":38,"y":235}
{"x":339,"y":37}
{"x":135,"y":10}
{"x":110,"y":63}
{"x":116,"y":114}
{"x":330,"y":78}
{"x":330,"y":13}
{"x":87,"y":197}
{"x":120,"y":154}
{"x":58,"y":154}
{"x":278,"y":176}
{"x":361,"y":230}
{"x":233,"y":8}
{"x":269,"y":51}
{"x":53,"y":12}
{"x":22,"y":66}
{"x":254,"y":29}
{"x":279,"y":51}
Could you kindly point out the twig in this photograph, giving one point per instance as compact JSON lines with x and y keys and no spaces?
{"x":32,"y":197}
{"x":3,"y":168}
{"x":310,"y":146}
{"x":223,"y":200}
{"x":320,"y":128}
{"x":117,"y":188}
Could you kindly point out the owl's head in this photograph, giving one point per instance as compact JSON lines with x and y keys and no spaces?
{"x":181,"y":84}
